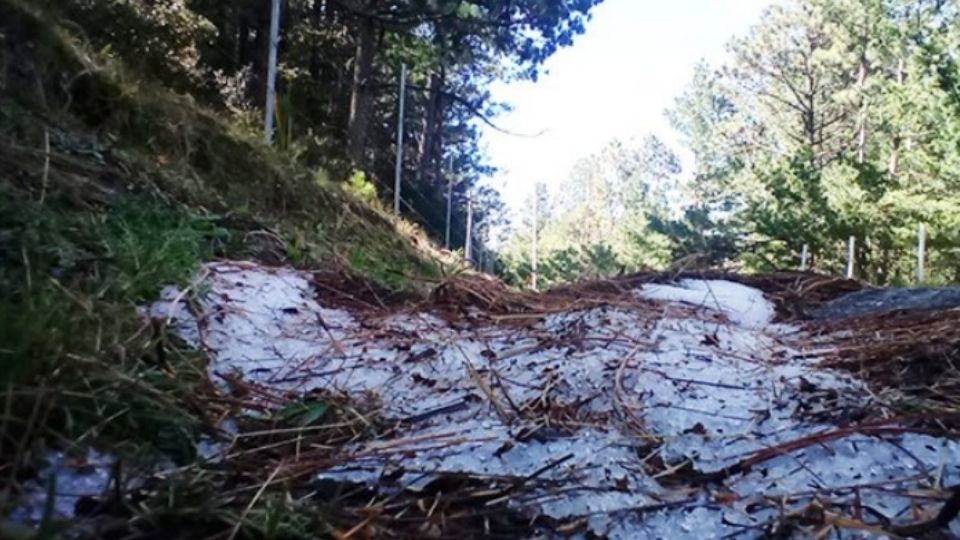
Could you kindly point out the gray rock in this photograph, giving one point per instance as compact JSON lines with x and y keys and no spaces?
{"x":882,"y":300}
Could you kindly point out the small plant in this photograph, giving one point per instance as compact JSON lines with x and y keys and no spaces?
{"x":321,"y":177}
{"x":304,"y":413}
{"x":361,"y":187}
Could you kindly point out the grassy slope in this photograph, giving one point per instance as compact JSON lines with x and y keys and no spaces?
{"x":111,"y":188}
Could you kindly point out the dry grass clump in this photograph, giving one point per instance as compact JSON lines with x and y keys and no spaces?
{"x":912,"y":357}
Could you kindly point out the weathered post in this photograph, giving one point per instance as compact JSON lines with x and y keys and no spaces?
{"x":851,"y":252}
{"x":534,"y":277}
{"x":921,"y":252}
{"x":803,"y":258}
{"x":467,"y":255}
{"x":446,"y":237}
{"x":399,"y":170}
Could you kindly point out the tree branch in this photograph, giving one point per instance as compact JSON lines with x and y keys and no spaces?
{"x":407,"y":18}
{"x":474,"y":111}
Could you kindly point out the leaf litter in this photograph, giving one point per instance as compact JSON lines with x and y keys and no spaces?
{"x":675,"y":406}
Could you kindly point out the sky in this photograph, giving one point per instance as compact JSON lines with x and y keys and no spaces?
{"x":614,"y":82}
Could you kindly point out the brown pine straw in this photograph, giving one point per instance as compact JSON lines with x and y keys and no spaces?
{"x":909,"y":355}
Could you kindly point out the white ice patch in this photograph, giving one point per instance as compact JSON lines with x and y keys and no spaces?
{"x":743,"y":305}
{"x":894,"y":463}
{"x":70,"y":479}
{"x":713,"y":385}
{"x":702,"y":521}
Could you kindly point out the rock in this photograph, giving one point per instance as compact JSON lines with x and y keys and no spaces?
{"x":869,"y":301}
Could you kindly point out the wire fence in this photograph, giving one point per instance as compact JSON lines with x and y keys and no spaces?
{"x":475,"y":252}
{"x":902,"y":263}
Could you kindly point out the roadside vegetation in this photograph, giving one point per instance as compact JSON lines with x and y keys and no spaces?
{"x":112,"y":188}
{"x":828,"y":119}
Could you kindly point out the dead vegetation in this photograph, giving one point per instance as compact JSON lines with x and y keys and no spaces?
{"x":81,"y":369}
{"x":471,"y":505}
{"x":794,"y":293}
{"x":264,"y":484}
{"x":111,"y":189}
{"x":911,"y":358}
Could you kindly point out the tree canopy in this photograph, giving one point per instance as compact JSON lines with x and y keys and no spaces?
{"x":339,"y":64}
{"x":830,"y":119}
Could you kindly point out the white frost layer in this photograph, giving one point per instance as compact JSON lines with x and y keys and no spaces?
{"x":743,"y":305}
{"x":714,"y":387}
{"x":71,"y":479}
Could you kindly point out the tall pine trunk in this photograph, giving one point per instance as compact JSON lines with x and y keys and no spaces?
{"x":361,"y":94}
{"x":895,"y":150}
{"x":862,"y":115}
{"x":430,"y":140}
{"x":260,"y":19}
{"x":316,"y":18}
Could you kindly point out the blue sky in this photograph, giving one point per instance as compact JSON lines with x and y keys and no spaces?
{"x":615,"y":81}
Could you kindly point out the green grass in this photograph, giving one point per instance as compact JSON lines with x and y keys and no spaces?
{"x":86,"y":237}
{"x":59,"y":267}
{"x":161,"y":142}
{"x":71,"y":342}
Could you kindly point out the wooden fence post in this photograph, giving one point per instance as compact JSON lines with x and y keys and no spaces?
{"x":851,"y":252}
{"x":534,"y":248}
{"x":921,"y":249}
{"x":398,"y":172}
{"x":468,"y":248}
